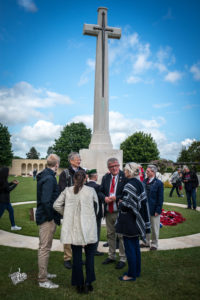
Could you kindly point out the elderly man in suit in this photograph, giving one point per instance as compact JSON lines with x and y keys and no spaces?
{"x":111,"y":192}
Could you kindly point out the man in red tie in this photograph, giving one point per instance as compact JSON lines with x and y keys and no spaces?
{"x":111,"y":192}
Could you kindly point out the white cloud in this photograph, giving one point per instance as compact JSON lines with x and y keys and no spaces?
{"x":187,"y":142}
{"x":86,"y":75}
{"x":195,"y":70}
{"x":173,"y":76}
{"x":28,"y":5}
{"x":139,"y":58}
{"x":142,"y":64}
{"x":41,"y":135}
{"x":25,"y":102}
{"x":162,"y":105}
{"x":133,"y":79}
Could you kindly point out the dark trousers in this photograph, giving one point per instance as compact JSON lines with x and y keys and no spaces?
{"x":132,"y":250}
{"x":175,"y":186}
{"x":191,"y":194}
{"x":98,"y":231}
{"x":10,"y":210}
{"x":77,"y":267}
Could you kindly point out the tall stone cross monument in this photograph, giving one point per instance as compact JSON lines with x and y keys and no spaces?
{"x":100,"y":148}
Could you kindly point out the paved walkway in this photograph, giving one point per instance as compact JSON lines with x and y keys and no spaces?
{"x":21,"y":241}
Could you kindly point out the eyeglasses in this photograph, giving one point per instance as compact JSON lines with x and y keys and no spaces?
{"x":112,"y":167}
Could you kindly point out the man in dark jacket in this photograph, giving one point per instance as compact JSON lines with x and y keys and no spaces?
{"x":93,"y":177}
{"x":154,"y":190}
{"x":47,"y":217}
{"x":66,"y":179}
{"x":191,"y":182}
{"x":110,"y":193}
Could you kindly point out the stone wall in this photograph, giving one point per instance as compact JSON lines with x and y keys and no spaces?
{"x":25,"y":167}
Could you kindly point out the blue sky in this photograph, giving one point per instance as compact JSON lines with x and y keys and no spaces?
{"x":47,"y":70}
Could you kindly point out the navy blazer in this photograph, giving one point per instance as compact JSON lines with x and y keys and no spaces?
{"x":105,"y":187}
{"x":156,"y":196}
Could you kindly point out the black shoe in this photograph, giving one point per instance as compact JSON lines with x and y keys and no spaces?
{"x":80,"y":289}
{"x":144,"y":246}
{"x":105,"y":245}
{"x":120,"y":265}
{"x":68,"y":264}
{"x":88,"y":288}
{"x":108,"y":261}
{"x":97,"y":253}
{"x":153,"y":248}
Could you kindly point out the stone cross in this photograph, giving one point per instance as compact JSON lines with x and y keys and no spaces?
{"x":101,"y":137}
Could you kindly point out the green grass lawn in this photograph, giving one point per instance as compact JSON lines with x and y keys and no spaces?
{"x":22,"y":218}
{"x":26,"y":191}
{"x":165,"y":275}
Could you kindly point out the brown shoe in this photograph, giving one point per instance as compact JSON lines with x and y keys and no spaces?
{"x":153,"y":248}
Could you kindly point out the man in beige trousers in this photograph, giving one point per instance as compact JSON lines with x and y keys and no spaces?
{"x":47,"y":218}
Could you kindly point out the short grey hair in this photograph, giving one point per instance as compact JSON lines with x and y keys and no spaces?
{"x":133,"y":169}
{"x":72,"y":155}
{"x":112,"y":160}
{"x":153,"y":168}
{"x":52,"y":160}
{"x":185,"y":167}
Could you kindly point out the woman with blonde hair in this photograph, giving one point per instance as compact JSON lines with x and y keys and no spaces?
{"x":133,"y":220}
{"x":76,"y":204}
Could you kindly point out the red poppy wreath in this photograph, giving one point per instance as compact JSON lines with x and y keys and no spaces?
{"x":171,"y":218}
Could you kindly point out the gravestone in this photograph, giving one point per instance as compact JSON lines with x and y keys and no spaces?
{"x":101,"y":148}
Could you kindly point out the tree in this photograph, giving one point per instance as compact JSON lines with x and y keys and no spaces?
{"x":33,"y":154}
{"x":50,"y":151}
{"x":139,"y":147}
{"x":183,"y":155}
{"x":6,"y":153}
{"x":74,"y":137}
{"x":192,"y":154}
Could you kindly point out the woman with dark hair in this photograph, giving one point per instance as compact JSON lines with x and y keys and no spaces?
{"x":76,"y":204}
{"x":5,"y":189}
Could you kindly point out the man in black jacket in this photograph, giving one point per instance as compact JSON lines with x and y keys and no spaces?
{"x":66,"y":179}
{"x":191,"y":182}
{"x":47,"y":218}
{"x":110,"y":193}
{"x":93,"y":177}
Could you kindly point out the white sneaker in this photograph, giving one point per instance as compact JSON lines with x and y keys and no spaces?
{"x":16,"y":227}
{"x":51,"y":276}
{"x":48,"y":285}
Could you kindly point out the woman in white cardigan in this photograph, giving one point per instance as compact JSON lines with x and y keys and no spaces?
{"x":79,"y":228}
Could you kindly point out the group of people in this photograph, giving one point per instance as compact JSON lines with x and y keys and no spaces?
{"x":131,"y":209}
{"x":190,"y":180}
{"x":130,"y":203}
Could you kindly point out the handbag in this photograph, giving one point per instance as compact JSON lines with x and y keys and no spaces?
{"x":126,"y":223}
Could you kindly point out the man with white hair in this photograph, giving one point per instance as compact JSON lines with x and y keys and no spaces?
{"x":191,"y":182}
{"x":110,"y":193}
{"x":154,"y":190}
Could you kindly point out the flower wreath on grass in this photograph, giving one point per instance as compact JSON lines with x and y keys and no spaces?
{"x":171,"y":218}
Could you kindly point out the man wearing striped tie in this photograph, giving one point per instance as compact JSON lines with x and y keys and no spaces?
{"x":111,"y":192}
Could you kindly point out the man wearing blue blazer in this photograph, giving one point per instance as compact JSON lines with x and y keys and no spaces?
{"x":154,"y":190}
{"x":111,"y":192}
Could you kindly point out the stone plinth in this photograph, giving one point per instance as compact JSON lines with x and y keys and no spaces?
{"x":97,"y":159}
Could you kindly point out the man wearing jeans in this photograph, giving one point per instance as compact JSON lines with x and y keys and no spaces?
{"x":154,"y":190}
{"x":47,"y":218}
